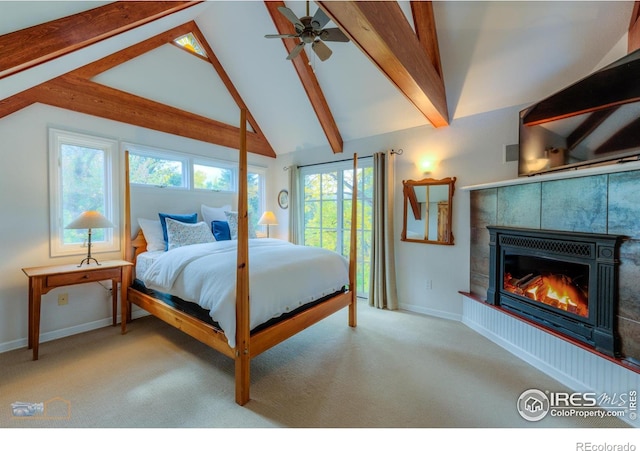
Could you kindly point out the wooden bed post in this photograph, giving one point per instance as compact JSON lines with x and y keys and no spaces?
{"x":242,"y":352}
{"x":353,"y":245}
{"x":125,"y":307}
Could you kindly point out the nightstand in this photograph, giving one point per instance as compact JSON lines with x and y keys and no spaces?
{"x":45,"y":278}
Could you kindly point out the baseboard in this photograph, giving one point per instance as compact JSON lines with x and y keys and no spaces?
{"x":559,"y":359}
{"x":67,"y":331}
{"x":430,"y":312}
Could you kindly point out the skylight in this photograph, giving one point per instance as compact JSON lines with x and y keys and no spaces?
{"x":191,"y":44}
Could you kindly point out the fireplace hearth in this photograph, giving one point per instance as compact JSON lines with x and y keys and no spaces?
{"x":564,"y":281}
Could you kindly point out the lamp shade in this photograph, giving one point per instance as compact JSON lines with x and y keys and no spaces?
{"x":90,"y":220}
{"x":268,"y":218}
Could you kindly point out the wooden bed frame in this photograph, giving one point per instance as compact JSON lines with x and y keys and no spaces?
{"x":248,"y":345}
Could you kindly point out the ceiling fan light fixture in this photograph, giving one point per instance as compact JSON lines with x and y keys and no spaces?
{"x":308,"y":37}
{"x":310,"y":31}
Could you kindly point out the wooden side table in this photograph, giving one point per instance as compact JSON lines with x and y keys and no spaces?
{"x":45,"y":278}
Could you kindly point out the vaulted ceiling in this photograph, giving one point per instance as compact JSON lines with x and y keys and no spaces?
{"x":408,"y":64}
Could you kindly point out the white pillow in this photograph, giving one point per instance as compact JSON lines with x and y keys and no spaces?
{"x":210,"y":214}
{"x":153,"y":234}
{"x":183,"y":234}
{"x":232,"y":220}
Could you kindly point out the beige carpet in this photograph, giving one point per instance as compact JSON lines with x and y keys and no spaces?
{"x":395,"y":370}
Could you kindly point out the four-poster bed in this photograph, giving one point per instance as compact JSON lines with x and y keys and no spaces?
{"x":248,"y":342}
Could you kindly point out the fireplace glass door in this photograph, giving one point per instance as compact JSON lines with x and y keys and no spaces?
{"x":559,"y":284}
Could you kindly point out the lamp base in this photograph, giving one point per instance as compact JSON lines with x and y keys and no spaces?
{"x":88,"y":261}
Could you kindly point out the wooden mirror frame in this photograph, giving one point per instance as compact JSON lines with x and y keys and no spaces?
{"x":411,"y":202}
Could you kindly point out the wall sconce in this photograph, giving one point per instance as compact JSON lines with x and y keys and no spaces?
{"x":426,"y":166}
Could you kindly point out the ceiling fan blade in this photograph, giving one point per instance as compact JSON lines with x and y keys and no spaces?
{"x":291,"y":17}
{"x":333,"y":34}
{"x":296,"y":50}
{"x":320,"y":19}
{"x":283,"y":36}
{"x":321,"y":50}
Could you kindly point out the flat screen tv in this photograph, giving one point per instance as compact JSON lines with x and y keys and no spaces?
{"x":594,"y":121}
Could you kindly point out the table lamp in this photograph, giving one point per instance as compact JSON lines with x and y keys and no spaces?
{"x":268,"y":218}
{"x":90,"y":220}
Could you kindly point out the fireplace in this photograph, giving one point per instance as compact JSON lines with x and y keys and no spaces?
{"x":564,"y":281}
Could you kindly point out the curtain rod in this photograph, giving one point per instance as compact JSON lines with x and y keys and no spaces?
{"x":393,"y":152}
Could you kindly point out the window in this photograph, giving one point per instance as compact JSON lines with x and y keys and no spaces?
{"x":167,"y":169}
{"x":82,"y":178}
{"x":155,"y":168}
{"x":255,"y":195}
{"x":327,"y":195}
{"x":216,"y":177}
{"x":191,"y":44}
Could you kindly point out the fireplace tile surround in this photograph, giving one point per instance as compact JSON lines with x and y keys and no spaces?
{"x":600,"y":203}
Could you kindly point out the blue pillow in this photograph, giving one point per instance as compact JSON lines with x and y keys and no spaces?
{"x":220,"y":230}
{"x":189,"y":219}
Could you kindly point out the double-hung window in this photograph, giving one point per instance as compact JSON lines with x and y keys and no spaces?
{"x":82,"y":177}
{"x":327,"y":192}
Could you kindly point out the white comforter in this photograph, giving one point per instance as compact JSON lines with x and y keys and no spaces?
{"x":283,"y":276}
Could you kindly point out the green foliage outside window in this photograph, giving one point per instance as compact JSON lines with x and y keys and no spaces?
{"x":83,"y":188}
{"x":253,"y":199}
{"x":327,"y":215}
{"x":213,"y":178}
{"x":155,"y":171}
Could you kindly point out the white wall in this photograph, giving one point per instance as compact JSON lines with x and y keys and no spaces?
{"x":471,"y":149}
{"x":24,"y":225}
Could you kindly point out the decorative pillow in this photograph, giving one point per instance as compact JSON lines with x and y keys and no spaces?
{"x":183,"y":234}
{"x":210,"y":214}
{"x":232,"y":219}
{"x":221,"y":230}
{"x":153,"y":234}
{"x":189,"y":219}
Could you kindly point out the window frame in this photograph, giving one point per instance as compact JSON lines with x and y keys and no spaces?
{"x":57,"y":138}
{"x":262,"y":188}
{"x":189,"y":160}
{"x":340,"y":167}
{"x":152,"y":152}
{"x":222,"y":164}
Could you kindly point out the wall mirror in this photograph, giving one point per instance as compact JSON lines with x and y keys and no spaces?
{"x":428,"y":206}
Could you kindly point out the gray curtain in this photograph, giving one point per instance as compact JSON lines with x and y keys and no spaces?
{"x":382,"y":283}
{"x":294,"y":204}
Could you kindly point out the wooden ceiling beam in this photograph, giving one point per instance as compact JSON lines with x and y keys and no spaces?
{"x":215,"y":62}
{"x":84,"y":96}
{"x":307,"y":77}
{"x":16,"y":102}
{"x":113,"y":60}
{"x":633,"y":39}
{"x":425,"y":24}
{"x":31,"y":46}
{"x":382,"y":32}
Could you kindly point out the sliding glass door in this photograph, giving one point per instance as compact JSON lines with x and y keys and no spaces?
{"x":327,"y":193}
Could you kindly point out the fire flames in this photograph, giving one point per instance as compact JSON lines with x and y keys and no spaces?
{"x":556,"y":290}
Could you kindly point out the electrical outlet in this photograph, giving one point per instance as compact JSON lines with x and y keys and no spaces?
{"x":63,"y":298}
{"x":429,"y":284}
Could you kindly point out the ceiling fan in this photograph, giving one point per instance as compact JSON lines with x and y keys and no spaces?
{"x":310,"y":31}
